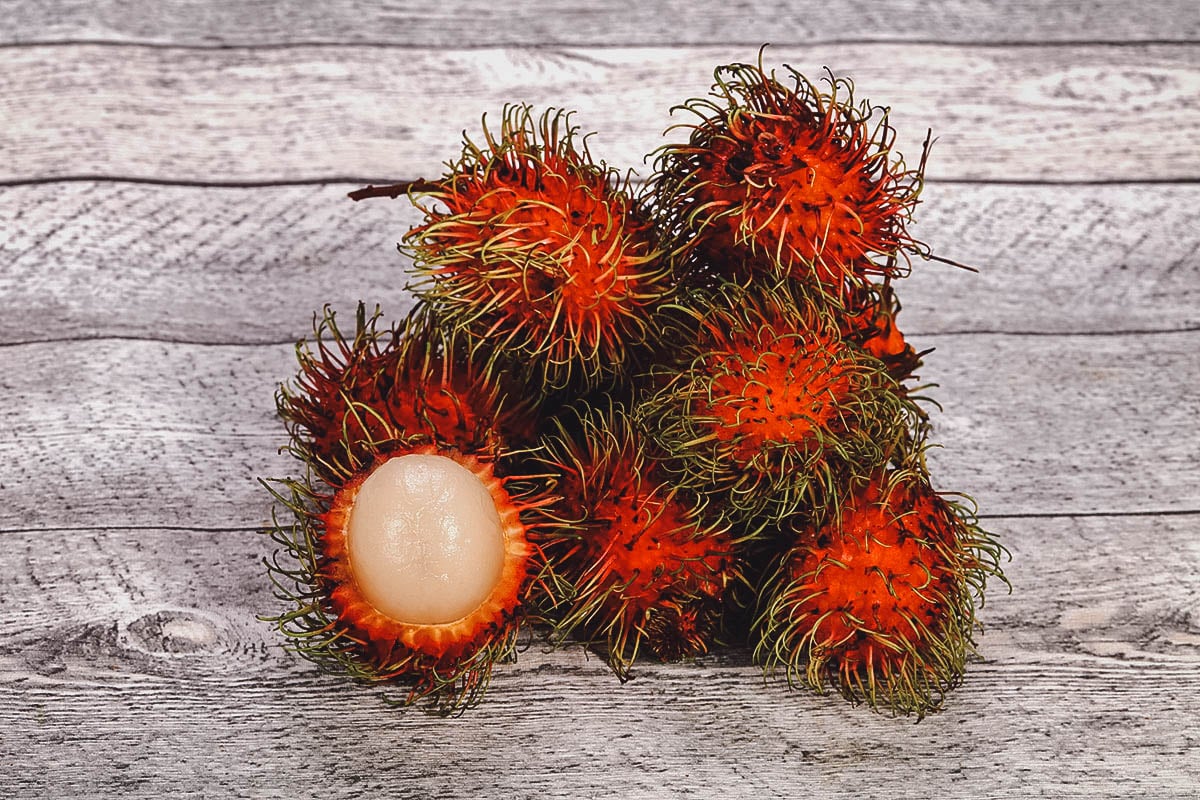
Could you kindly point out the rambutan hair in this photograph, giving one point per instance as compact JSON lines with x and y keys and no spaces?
{"x":877,"y":594}
{"x":535,"y":250}
{"x":766,"y":403}
{"x":635,"y":562}
{"x":782,"y":177}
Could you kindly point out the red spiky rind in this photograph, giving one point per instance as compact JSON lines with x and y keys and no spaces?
{"x":767,"y":405}
{"x":878,"y":596}
{"x":537,"y":250}
{"x":445,"y":667}
{"x":415,"y":381}
{"x":785,"y":177}
{"x":635,"y":562}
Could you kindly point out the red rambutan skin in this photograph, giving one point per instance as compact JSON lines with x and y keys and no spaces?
{"x":770,"y":388}
{"x":642,"y":539}
{"x":537,"y":251}
{"x":636,"y":560}
{"x":885,"y":566}
{"x":789,"y":179}
{"x":359,"y":401}
{"x":879,"y":596}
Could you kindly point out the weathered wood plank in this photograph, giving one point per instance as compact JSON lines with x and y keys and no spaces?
{"x":239,"y":265}
{"x":552,"y":22}
{"x":143,"y":433}
{"x":1056,"y":113}
{"x":1050,"y":732}
{"x":132,"y":661}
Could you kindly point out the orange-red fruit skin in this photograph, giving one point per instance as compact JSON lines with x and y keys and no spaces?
{"x":639,"y":562}
{"x":878,"y":596}
{"x":353,"y":395}
{"x":813,"y":195}
{"x":770,"y":389}
{"x":869,"y":320}
{"x":531,"y":247}
{"x":643,"y":540}
{"x":765,"y":400}
{"x":359,"y":401}
{"x":879,"y":572}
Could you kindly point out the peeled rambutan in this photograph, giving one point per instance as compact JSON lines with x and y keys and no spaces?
{"x":633,"y":560}
{"x":878,"y":593}
{"x":784,"y":177}
{"x":538,"y":252}
{"x":406,"y":557}
{"x":412,"y":381}
{"x":415,"y":570}
{"x":767,"y":404}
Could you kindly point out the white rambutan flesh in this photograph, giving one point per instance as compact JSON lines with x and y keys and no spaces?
{"x":425,"y":541}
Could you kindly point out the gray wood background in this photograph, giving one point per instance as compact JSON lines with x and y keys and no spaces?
{"x":172,"y":211}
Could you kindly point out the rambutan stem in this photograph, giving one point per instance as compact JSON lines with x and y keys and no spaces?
{"x":394,"y":190}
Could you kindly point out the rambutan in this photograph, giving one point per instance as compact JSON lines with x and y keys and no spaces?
{"x":767,"y":404}
{"x":407,"y":556}
{"x":634,"y":561}
{"x":877,"y":595}
{"x":783,"y":177}
{"x":535,"y":250}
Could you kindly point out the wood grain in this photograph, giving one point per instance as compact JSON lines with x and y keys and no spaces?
{"x":145,"y":433}
{"x":1091,"y":658}
{"x":1054,"y":113}
{"x":225,"y":266}
{"x":144,"y":328}
{"x":457,"y":24}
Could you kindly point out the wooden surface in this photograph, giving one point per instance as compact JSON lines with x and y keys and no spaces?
{"x":172,"y":213}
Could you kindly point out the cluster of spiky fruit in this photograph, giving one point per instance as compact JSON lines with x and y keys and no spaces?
{"x":648,"y":422}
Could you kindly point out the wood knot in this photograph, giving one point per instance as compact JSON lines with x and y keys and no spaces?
{"x":172,"y":632}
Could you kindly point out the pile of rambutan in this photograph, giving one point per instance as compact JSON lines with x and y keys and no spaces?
{"x":648,"y":419}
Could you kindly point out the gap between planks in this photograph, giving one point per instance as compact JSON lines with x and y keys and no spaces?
{"x":1096,"y":636}
{"x":251,"y":343}
{"x":174,"y":435}
{"x":199,"y":529}
{"x":554,"y":46}
{"x":636,"y":182}
{"x":671,"y":23}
